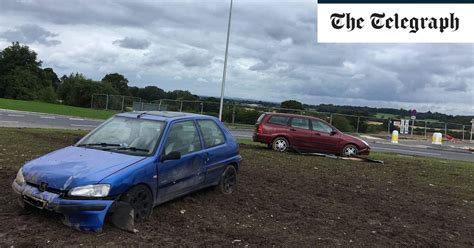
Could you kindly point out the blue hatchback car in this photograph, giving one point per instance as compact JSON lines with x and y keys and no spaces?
{"x":129,"y":164}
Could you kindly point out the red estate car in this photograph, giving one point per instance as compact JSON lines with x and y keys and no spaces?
{"x":304,"y":133}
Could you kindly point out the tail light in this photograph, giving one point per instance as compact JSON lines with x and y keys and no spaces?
{"x":259,"y":128}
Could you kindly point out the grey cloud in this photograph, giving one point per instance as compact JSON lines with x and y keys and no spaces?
{"x":30,"y":33}
{"x":132,"y":43}
{"x":194,"y":58}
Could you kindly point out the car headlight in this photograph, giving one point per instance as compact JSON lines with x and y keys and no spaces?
{"x":96,"y":190}
{"x":19,"y":177}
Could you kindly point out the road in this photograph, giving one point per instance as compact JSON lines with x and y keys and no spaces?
{"x":9,"y":118}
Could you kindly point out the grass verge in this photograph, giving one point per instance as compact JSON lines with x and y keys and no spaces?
{"x":50,"y":108}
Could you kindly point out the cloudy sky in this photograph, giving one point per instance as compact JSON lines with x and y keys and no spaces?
{"x":273,"y":54}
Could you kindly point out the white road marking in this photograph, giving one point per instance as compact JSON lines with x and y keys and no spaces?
{"x":15,"y":115}
{"x":9,"y":121}
{"x":406,"y":151}
{"x":47,"y":117}
{"x":76,"y":119}
{"x":78,"y":125}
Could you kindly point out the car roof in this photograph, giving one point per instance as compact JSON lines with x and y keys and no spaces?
{"x":293,"y":115}
{"x":163,"y":115}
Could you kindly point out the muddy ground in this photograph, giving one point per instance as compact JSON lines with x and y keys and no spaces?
{"x":282,"y":200}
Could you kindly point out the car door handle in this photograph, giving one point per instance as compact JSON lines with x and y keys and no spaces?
{"x":292,"y":129}
{"x":317,"y":134}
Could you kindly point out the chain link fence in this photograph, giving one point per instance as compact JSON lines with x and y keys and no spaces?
{"x":113,"y":102}
{"x":245,"y":115}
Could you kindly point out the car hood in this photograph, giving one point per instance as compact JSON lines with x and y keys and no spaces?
{"x":75,"y":166}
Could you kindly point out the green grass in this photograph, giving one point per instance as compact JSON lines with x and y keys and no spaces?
{"x":49,"y":108}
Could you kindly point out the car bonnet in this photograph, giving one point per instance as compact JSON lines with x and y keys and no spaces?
{"x":75,"y":166}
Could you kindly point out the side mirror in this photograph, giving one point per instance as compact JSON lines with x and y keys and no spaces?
{"x":171,"y":156}
{"x":333,"y":133}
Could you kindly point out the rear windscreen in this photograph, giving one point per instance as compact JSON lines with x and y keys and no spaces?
{"x":260,"y":118}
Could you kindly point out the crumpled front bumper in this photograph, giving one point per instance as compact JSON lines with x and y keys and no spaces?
{"x":86,"y":215}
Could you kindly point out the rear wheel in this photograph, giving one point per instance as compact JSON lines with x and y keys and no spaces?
{"x":280,"y":144}
{"x":349,"y":150}
{"x":228,"y":180}
{"x":141,"y":200}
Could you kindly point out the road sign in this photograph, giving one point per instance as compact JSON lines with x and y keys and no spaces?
{"x":413,"y":117}
{"x":413,"y":112}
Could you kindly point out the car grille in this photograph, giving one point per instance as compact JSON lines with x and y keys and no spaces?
{"x":49,"y":189}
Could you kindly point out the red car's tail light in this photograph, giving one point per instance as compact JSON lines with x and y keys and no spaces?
{"x":259,"y":128}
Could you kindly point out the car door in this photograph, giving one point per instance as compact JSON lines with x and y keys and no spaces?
{"x":176,"y":177}
{"x":300,"y":133}
{"x":323,"y":139}
{"x":216,"y":149}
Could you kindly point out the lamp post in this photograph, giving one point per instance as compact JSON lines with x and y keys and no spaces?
{"x":225,"y":63}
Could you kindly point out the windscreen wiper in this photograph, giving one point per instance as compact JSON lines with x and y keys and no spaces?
{"x":134,"y":149}
{"x":99,"y":144}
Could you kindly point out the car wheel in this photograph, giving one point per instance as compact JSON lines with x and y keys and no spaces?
{"x":228,"y":180}
{"x":350,"y":150}
{"x":280,"y":144}
{"x":141,"y":200}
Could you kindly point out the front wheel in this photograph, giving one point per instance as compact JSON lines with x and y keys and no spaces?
{"x":141,"y":200}
{"x":228,"y":180}
{"x":280,"y":144}
{"x":350,"y":150}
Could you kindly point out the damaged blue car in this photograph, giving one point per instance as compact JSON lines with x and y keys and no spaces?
{"x":128,"y":165}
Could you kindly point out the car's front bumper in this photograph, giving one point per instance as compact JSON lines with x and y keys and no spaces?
{"x":87,"y":215}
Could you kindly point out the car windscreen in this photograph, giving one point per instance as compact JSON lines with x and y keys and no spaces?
{"x":125,"y":135}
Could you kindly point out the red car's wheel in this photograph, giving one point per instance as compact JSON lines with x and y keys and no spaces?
{"x":280,"y":144}
{"x":349,"y":150}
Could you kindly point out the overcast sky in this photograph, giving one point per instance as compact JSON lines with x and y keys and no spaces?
{"x":273,"y":54}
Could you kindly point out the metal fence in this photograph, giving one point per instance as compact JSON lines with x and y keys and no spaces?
{"x":113,"y":102}
{"x":247,"y":114}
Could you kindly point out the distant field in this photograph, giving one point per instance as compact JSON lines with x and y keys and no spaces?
{"x":50,"y":108}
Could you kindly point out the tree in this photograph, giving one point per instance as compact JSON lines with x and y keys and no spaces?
{"x":51,"y":75}
{"x":21,"y":76}
{"x":151,"y":93}
{"x":292,"y":104}
{"x":118,"y":82}
{"x":77,"y":90}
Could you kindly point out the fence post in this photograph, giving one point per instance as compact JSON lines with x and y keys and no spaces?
{"x":388,"y":126}
{"x":330,"y":119}
{"x":202,"y":107}
{"x":107,"y":102}
{"x":358,"y":120}
{"x":159,"y":106}
{"x":123,"y":102}
{"x":462,"y":132}
{"x":233,"y":114}
{"x":141,"y":108}
{"x":445,"y":129}
{"x":425,"y":129}
{"x":92,"y":100}
{"x":181,"y":106}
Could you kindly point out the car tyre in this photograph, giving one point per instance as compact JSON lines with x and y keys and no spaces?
{"x":280,"y":144}
{"x":228,"y":180}
{"x":349,"y":150}
{"x":141,"y":200}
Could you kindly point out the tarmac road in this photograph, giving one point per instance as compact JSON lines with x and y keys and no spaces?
{"x":10,"y":118}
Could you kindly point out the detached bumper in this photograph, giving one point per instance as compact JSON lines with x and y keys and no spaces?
{"x":87,"y":215}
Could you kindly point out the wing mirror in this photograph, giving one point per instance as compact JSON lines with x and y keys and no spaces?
{"x":333,"y":133}
{"x":175,"y":155}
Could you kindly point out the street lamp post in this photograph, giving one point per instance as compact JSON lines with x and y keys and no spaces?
{"x":225,"y":63}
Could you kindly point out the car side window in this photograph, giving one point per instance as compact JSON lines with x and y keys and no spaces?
{"x":278,"y":120}
{"x":182,"y":137}
{"x":300,"y":123}
{"x":212,"y":134}
{"x":321,"y":127}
